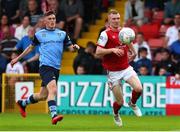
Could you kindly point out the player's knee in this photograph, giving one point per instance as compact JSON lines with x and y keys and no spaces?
{"x":53,"y":91}
{"x":44,"y":97}
{"x":138,"y":89}
{"x":79,"y":20}
{"x":120,"y":102}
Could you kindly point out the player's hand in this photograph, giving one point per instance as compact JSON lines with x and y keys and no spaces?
{"x":117,"y":51}
{"x":76,"y":47}
{"x":14,"y":61}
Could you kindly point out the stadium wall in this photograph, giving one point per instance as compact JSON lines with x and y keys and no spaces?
{"x":87,"y":94}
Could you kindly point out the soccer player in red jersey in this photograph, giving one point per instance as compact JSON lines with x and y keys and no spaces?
{"x":115,"y":59}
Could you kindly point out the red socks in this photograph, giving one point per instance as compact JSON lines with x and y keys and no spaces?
{"x":135,"y":96}
{"x":116,"y":107}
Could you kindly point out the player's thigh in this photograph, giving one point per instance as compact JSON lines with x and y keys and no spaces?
{"x":49,"y":77}
{"x":135,"y":83}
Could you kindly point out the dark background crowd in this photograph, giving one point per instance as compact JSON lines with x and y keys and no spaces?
{"x":156,"y":23}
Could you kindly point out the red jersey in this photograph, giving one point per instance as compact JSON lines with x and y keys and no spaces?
{"x":112,"y":62}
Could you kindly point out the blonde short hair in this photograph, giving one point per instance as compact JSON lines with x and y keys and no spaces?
{"x":113,"y":11}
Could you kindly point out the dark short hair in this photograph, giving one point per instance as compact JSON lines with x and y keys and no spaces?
{"x":91,"y":44}
{"x":142,"y":49}
{"x":50,"y":12}
{"x":140,"y":33}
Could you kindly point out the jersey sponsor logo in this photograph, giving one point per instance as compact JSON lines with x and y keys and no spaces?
{"x":52,"y":41}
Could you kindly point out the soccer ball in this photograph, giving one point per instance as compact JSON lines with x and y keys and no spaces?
{"x":126,"y":35}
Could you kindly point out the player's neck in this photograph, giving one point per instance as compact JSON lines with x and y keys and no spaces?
{"x":113,"y":28}
{"x":48,"y":28}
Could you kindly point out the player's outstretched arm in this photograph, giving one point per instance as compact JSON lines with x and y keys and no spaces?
{"x":133,"y":54}
{"x":100,"y":52}
{"x":25,"y":52}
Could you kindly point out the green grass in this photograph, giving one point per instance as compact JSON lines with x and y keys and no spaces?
{"x":42,"y":122}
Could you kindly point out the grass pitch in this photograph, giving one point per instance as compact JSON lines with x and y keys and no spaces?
{"x":42,"y":122}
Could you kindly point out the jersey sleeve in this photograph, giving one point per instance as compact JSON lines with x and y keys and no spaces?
{"x":35,"y":41}
{"x":67,"y":41}
{"x":19,"y":44}
{"x":102,"y":40}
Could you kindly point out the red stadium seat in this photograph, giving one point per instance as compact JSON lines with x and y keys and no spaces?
{"x":135,"y":28}
{"x":150,"y":30}
{"x":156,"y":43}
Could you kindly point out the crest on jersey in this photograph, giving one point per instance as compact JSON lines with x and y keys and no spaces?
{"x":101,"y":38}
{"x":59,"y":34}
{"x":43,"y":35}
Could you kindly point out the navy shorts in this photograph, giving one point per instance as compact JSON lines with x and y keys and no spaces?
{"x":48,"y":74}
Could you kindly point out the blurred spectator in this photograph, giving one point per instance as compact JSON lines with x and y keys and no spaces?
{"x":30,"y":60}
{"x":103,"y":28}
{"x":81,"y":70}
{"x":11,"y":9}
{"x":60,"y":15}
{"x":0,"y":15}
{"x":86,"y":57}
{"x":98,"y":68}
{"x":175,"y":49}
{"x":157,"y":57}
{"x":143,"y":60}
{"x":40,"y":24}
{"x":93,"y":9}
{"x":172,"y":32}
{"x":33,"y":12}
{"x":143,"y":70}
{"x":17,"y":68}
{"x":3,"y":64}
{"x":163,"y":72}
{"x":3,"y":23}
{"x":165,"y":62}
{"x":45,"y":5}
{"x":177,"y":72}
{"x":22,"y":30}
{"x":171,"y":9}
{"x":140,"y":42}
{"x":74,"y":12}
{"x":155,"y":4}
{"x":134,"y":13}
{"x":8,"y":40}
{"x":3,"y":61}
{"x":23,"y":7}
